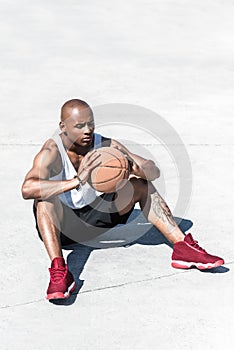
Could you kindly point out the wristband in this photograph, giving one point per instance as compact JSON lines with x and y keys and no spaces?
{"x":79,"y":184}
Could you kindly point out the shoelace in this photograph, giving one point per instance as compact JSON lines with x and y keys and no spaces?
{"x":57,"y":274}
{"x":196,"y":245}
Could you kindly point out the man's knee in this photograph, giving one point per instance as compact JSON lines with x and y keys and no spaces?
{"x":138,"y":183}
{"x":52,"y":207}
{"x":142,"y":186}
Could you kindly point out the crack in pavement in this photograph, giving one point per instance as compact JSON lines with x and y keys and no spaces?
{"x":98,"y":289}
{"x":115,"y":286}
{"x":143,"y":144}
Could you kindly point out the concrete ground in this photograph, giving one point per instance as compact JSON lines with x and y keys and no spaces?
{"x":174,"y":58}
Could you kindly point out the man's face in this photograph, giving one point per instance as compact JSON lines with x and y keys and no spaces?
{"x":79,"y":126}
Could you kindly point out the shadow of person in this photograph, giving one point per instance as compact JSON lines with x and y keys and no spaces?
{"x":76,"y":261}
{"x":137,"y":230}
{"x":154,"y":237}
{"x":220,"y":269}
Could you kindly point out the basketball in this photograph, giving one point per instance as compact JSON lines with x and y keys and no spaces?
{"x":114,"y":167}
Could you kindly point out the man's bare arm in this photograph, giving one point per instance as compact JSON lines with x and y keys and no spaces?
{"x":37,"y":184}
{"x":144,"y":168}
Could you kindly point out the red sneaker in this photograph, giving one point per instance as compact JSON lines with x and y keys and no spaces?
{"x":188,"y":253}
{"x":61,"y":280}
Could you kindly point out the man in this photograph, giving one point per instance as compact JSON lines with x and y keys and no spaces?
{"x":66,"y":205}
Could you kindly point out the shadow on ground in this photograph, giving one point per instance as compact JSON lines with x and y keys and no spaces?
{"x":146,"y":235}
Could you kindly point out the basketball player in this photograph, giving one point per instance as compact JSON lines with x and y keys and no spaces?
{"x":64,"y":202}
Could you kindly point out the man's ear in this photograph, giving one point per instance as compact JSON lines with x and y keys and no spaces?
{"x":62,"y":127}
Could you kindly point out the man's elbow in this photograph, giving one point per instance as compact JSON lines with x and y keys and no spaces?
{"x":156,"y":173}
{"x":153,"y":172}
{"x":26,"y":190}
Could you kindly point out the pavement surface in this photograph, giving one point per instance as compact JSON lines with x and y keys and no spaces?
{"x":175,"y":59}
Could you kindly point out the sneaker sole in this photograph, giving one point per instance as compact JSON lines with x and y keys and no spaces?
{"x":60,"y":295}
{"x":200,"y":266}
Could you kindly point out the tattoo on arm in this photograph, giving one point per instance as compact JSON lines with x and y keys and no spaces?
{"x":161,"y":209}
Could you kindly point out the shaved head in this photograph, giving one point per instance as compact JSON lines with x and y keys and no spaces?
{"x":70,"y":105}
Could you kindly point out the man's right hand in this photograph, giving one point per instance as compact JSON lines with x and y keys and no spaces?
{"x":89,"y":162}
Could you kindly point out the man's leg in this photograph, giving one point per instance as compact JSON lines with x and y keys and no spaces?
{"x":49,"y":218}
{"x":186,"y":253}
{"x":153,"y":206}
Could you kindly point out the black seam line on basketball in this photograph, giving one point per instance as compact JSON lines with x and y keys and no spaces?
{"x":109,"y":154}
{"x":107,"y":181}
{"x":112,"y":166}
{"x":113,"y":155}
{"x":113,"y":178}
{"x":110,"y":151}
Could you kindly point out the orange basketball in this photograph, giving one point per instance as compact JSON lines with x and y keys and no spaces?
{"x":114,"y":167}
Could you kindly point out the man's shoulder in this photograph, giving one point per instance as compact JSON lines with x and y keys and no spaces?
{"x":49,"y":155}
{"x":49,"y":151}
{"x":50,"y":145}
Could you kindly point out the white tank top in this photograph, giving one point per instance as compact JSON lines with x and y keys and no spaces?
{"x":85,"y":195}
